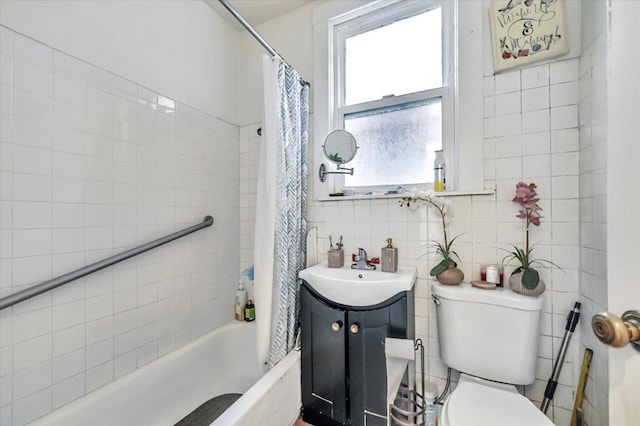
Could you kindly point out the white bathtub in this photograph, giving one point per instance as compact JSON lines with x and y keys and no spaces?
{"x":166,"y":390}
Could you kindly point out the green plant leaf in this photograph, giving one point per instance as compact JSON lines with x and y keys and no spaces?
{"x":440,"y":267}
{"x":530,"y":278}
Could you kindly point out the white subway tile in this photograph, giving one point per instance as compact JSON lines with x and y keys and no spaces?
{"x":66,"y":341}
{"x":68,"y":165}
{"x":508,"y":103}
{"x":31,"y":407}
{"x":565,"y":187}
{"x":68,"y":240}
{"x":68,"y":390}
{"x":125,"y":364}
{"x":508,"y":125}
{"x":537,"y":76}
{"x":535,"y":121}
{"x":31,"y":270}
{"x":99,"y":79}
{"x":536,"y":143}
{"x":31,"y":352}
{"x":98,"y":192}
{"x":32,"y":379}
{"x":6,"y":393}
{"x":31,"y":105}
{"x":31,"y":132}
{"x":68,"y":115}
{"x":32,"y":160}
{"x":68,"y":140}
{"x":507,"y":82}
{"x":66,"y":190}
{"x":508,"y":146}
{"x":534,"y":99}
{"x":125,"y":321}
{"x":564,"y":94}
{"x":99,"y":376}
{"x":536,"y":166}
{"x":564,"y":117}
{"x":125,"y":89}
{"x":565,"y":140}
{"x":6,"y":127}
{"x":99,"y":307}
{"x":564,"y":71}
{"x":31,"y":324}
{"x":99,"y":353}
{"x":69,"y":90}
{"x":68,"y":215}
{"x":488,"y":85}
{"x":31,"y":242}
{"x":31,"y":215}
{"x":566,"y":163}
{"x":68,"y":315}
{"x":34,"y":78}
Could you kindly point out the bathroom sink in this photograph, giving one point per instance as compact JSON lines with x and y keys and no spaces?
{"x":356,"y":287}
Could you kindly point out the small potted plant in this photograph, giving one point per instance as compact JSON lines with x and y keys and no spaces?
{"x":446,"y":271}
{"x":525,"y":279}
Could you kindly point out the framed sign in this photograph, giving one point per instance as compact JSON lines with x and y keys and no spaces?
{"x":527,"y":31}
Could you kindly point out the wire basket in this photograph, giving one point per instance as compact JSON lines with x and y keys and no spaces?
{"x":408,"y":409}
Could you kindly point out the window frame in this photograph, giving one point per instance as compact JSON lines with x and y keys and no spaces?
{"x":470,"y":62}
{"x":344,"y":27}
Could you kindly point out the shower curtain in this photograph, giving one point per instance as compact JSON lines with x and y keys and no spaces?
{"x":281,"y":209}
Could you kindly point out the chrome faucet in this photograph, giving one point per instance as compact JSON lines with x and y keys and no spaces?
{"x":362,"y":261}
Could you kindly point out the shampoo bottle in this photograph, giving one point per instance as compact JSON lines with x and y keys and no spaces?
{"x":241,"y":301}
{"x":249,"y":311}
{"x":389,"y":257}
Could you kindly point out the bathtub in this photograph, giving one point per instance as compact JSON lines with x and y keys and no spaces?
{"x":166,"y":390}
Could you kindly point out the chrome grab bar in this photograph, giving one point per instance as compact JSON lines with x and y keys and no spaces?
{"x":89,"y":269}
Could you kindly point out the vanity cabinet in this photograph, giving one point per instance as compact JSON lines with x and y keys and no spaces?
{"x":344,"y":378}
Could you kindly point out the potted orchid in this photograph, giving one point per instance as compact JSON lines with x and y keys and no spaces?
{"x":446,"y":271}
{"x":525,"y":279}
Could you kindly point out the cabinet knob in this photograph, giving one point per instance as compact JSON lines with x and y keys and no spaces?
{"x":354,"y":328}
{"x":336,"y":325}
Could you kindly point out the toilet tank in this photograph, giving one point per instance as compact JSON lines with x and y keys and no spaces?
{"x":491,"y":334}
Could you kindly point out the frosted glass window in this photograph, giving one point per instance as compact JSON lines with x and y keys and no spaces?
{"x":396,"y":145}
{"x":402,"y":57}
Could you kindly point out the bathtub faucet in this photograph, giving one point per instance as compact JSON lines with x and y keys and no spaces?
{"x":362,"y":261}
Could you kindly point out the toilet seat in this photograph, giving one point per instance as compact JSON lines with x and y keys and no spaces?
{"x":478,"y":402}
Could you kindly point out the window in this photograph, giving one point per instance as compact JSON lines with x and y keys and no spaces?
{"x":336,"y":102}
{"x":392,"y":90}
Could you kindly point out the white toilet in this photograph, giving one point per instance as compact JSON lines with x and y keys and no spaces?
{"x":491,"y":338}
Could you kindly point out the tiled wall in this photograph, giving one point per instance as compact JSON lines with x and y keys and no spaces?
{"x":530,"y":133}
{"x":92,"y":164}
{"x":593,"y":219}
{"x":249,"y":155}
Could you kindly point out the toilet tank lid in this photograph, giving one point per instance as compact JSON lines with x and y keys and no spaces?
{"x":498,"y":296}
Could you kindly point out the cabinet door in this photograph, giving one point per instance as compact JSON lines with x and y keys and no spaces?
{"x":324,"y":382}
{"x":367,"y":331}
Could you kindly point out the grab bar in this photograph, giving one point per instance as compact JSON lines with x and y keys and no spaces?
{"x":89,"y":269}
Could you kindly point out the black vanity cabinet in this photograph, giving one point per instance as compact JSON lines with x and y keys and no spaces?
{"x":344,"y":379}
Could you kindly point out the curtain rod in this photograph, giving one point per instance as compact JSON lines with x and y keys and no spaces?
{"x":255,"y":34}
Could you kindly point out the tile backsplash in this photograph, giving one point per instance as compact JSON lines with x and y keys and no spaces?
{"x":92,"y":164}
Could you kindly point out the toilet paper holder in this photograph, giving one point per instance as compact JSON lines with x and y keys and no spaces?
{"x":618,"y":331}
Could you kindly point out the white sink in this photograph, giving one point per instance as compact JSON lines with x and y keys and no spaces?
{"x":356,"y":287}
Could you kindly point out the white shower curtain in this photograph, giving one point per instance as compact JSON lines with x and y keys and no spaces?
{"x":281,"y":209}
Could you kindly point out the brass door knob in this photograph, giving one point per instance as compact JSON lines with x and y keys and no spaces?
{"x":336,"y":326}
{"x":616,"y":331}
{"x":354,"y":328}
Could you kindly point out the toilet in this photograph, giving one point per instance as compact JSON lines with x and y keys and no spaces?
{"x":491,"y":338}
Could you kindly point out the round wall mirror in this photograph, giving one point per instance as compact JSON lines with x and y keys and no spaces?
{"x":340,"y":146}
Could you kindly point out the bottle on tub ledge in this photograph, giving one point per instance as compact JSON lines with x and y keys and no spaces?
{"x":241,"y":301}
{"x":389,"y":257}
{"x":249,"y":311}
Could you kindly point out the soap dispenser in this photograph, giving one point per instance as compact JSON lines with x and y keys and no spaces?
{"x":389,"y":257}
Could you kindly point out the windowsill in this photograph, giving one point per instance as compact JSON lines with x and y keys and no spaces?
{"x":383,"y":196}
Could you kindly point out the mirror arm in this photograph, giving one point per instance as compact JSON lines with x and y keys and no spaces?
{"x":322,"y":173}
